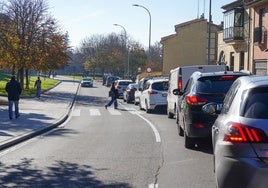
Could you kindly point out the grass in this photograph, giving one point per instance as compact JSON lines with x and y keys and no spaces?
{"x":47,"y":84}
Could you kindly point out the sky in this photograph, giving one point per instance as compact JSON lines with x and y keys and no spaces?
{"x":84,"y":18}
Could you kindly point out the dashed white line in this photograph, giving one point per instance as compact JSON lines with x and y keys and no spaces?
{"x":94,"y":112}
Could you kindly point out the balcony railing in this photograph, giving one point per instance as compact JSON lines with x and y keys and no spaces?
{"x":233,"y":33}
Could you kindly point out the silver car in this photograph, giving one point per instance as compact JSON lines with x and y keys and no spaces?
{"x":239,"y":134}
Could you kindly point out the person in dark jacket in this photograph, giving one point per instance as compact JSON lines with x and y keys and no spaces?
{"x":13,"y":88}
{"x":113,"y":93}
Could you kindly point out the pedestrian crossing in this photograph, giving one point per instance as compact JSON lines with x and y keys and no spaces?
{"x":101,"y":112}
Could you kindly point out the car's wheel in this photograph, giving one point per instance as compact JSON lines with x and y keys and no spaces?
{"x":128,"y":100}
{"x":188,"y":142}
{"x":181,"y":132}
{"x":170,"y":115}
{"x":140,"y":104}
{"x":147,"y":108}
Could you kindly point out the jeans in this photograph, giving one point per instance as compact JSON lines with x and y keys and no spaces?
{"x":38,"y":92}
{"x":10,"y":108}
{"x":113,"y":100}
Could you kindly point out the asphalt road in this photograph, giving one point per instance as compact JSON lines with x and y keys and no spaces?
{"x":108,"y":148}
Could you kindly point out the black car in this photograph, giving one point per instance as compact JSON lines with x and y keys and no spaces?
{"x":201,"y":88}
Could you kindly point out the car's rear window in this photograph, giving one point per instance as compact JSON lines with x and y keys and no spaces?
{"x":256,"y":104}
{"x":215,"y":84}
{"x":160,"y":86}
{"x":124,"y":83}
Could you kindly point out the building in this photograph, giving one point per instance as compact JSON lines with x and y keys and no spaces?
{"x":189,"y":45}
{"x":243,"y":42}
{"x":258,"y":11}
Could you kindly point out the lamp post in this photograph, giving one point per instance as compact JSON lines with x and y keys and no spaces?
{"x":125,"y":43}
{"x":150,"y":21}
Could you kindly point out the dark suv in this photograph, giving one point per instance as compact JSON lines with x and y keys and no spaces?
{"x":201,"y":88}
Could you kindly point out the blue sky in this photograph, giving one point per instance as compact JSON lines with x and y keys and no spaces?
{"x":84,"y":18}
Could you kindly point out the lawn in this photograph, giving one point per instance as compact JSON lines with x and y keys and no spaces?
{"x":47,"y":84}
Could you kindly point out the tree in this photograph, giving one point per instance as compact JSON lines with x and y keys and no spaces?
{"x":31,"y":38}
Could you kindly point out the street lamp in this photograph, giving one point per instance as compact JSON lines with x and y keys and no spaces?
{"x":150,"y":20}
{"x":126,"y":51}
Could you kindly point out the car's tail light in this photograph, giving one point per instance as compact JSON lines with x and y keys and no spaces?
{"x":227,"y":77}
{"x":151,"y":92}
{"x":198,"y":125}
{"x":180,"y":83}
{"x":132,"y":91}
{"x":237,"y":132}
{"x":195,"y":100}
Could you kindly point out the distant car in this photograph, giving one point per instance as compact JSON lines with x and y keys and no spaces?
{"x":110,"y":80}
{"x":239,"y":134}
{"x":154,"y":95}
{"x":121,"y":86}
{"x":128,"y":95}
{"x":201,"y":89}
{"x":87,"y":82}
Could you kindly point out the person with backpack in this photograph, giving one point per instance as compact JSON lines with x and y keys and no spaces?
{"x":37,"y":85}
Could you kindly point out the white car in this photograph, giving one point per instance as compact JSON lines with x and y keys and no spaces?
{"x":137,"y":94}
{"x":154,"y":95}
{"x":121,"y":86}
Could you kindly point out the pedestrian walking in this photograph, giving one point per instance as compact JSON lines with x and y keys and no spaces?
{"x":13,"y":88}
{"x":37,"y":85}
{"x":113,"y":93}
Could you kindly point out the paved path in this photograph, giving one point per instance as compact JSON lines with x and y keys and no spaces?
{"x":38,"y":115}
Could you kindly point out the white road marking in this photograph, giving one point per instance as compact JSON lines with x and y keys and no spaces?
{"x":152,"y":185}
{"x":94,"y":112}
{"x":156,"y":133}
{"x":76,"y":112}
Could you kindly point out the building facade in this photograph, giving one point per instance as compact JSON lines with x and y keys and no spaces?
{"x":242,"y":44}
{"x":259,"y":15}
{"x":189,"y":45}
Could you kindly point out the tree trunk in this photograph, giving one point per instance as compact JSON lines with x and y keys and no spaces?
{"x":27,"y":79}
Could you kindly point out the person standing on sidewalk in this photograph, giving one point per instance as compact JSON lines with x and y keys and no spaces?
{"x":37,"y":85}
{"x":13,"y":88}
{"x":113,"y":93}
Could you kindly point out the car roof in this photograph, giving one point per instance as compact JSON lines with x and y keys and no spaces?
{"x":158,"y":80}
{"x":254,"y":80}
{"x":220,"y":73}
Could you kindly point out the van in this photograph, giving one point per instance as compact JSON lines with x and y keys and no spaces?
{"x":178,"y":78}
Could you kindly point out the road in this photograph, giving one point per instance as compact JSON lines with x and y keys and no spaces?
{"x":108,"y":148}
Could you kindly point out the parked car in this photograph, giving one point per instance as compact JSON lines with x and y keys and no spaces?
{"x":239,"y":134}
{"x":137,"y":94}
{"x":154,"y":95}
{"x":201,"y":89}
{"x":87,"y":82}
{"x":178,"y":78}
{"x":128,"y":95}
{"x":110,"y":80}
{"x":121,"y":86}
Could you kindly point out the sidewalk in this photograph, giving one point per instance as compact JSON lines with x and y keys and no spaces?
{"x":38,"y":115}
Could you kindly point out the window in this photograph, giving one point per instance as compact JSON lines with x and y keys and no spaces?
{"x":234,"y":24}
{"x":257,"y":104}
{"x":230,"y":97}
{"x":242,"y":59}
{"x":232,"y":61}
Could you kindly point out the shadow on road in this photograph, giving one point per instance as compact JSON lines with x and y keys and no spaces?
{"x":60,"y":174}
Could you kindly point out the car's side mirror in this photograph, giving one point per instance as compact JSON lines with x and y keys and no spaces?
{"x":212,"y":108}
{"x":177,"y":92}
